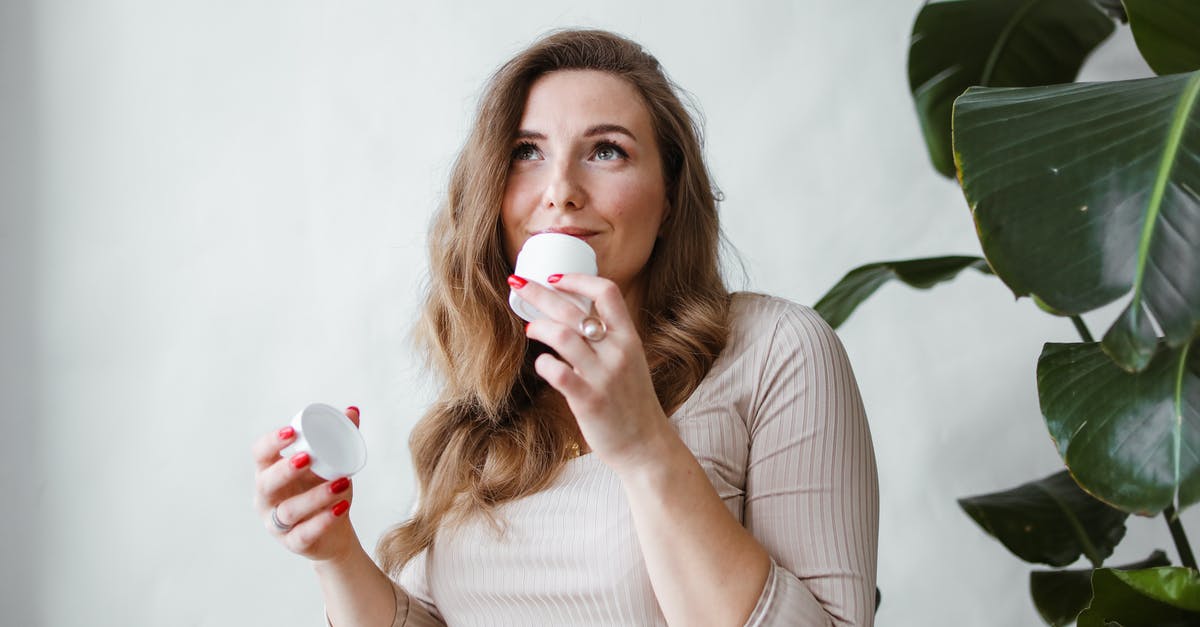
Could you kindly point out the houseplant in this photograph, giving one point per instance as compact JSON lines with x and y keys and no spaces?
{"x":1081,"y":194}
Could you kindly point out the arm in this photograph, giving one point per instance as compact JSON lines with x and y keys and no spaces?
{"x":811,"y":501}
{"x":812,"y":488}
{"x":298,"y":508}
{"x":357,"y":592}
{"x":706,"y":568}
{"x":406,"y":599}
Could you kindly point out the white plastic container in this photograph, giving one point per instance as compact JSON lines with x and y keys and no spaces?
{"x":545,"y":254}
{"x":332,"y":441}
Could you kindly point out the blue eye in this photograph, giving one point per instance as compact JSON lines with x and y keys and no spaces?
{"x":608,"y":152}
{"x":525,"y":152}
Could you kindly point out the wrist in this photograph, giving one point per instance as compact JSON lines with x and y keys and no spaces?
{"x":654,"y":454}
{"x":343,"y":561}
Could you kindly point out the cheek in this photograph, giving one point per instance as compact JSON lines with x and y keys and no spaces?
{"x":519,"y":200}
{"x":641,"y":208}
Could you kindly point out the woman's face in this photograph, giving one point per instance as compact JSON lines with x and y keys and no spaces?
{"x":585,"y":162}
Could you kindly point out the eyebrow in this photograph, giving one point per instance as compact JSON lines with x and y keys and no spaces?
{"x":598,"y":129}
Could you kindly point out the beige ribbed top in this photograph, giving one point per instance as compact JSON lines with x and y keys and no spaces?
{"x":778,"y":425}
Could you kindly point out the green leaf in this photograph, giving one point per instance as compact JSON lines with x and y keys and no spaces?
{"x":1114,"y":8}
{"x":995,"y":43}
{"x":858,"y":284}
{"x":1049,"y":521}
{"x":1044,"y":306}
{"x":1084,"y":193}
{"x":1130,"y":439}
{"x":1153,"y":597}
{"x":1167,"y":33}
{"x":1060,"y":595}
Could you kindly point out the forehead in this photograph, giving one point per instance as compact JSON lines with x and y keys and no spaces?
{"x":566,"y":99}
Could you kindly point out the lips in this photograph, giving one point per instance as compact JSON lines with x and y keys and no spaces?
{"x":569,"y":230}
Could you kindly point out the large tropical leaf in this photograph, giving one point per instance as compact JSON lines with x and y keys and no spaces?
{"x":1167,"y":33}
{"x":1083,"y":193}
{"x":1113,"y":8}
{"x":858,"y":284}
{"x":1049,"y":521}
{"x":1059,"y":595}
{"x":996,"y":43}
{"x":1153,"y":597}
{"x":1130,"y":439}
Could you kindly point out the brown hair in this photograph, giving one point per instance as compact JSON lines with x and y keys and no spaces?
{"x":487,"y":439}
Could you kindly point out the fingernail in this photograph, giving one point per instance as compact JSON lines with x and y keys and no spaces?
{"x":300,"y":461}
{"x":553,"y":278}
{"x":355,"y":410}
{"x":286,"y":433}
{"x":516,"y":282}
{"x":340,"y":508}
{"x":339,"y":486}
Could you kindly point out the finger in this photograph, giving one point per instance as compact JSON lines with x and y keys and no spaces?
{"x":566,"y":341}
{"x":285,"y":478}
{"x":305,"y":535}
{"x":604,"y":294}
{"x":353,"y":414}
{"x":296,"y":509}
{"x":560,"y":376}
{"x":266,"y":448}
{"x":555,"y":306}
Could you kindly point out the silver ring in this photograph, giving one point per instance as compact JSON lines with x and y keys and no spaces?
{"x":593,"y":328}
{"x":279,"y":524}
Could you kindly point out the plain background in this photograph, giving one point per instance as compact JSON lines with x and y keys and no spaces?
{"x":214,"y":213}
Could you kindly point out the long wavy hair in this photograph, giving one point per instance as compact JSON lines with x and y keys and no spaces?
{"x":490,"y":436}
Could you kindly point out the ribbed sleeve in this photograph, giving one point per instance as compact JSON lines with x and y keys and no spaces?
{"x":411,"y":612}
{"x":812,"y":492}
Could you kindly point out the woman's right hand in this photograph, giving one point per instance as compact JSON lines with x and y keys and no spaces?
{"x":315,"y":509}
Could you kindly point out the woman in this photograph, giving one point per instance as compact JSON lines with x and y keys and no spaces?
{"x":678,"y":455}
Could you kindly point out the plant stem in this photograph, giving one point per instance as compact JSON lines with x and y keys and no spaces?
{"x":1082,"y":328}
{"x":1180,"y":538}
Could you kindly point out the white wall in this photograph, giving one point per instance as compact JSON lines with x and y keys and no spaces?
{"x":213,"y":214}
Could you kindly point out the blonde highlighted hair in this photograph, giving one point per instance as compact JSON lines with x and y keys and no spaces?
{"x":488,"y":438}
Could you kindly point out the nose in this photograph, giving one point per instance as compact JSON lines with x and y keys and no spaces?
{"x":564,"y":189}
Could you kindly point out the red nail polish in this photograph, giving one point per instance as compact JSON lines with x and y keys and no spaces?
{"x":300,"y":461}
{"x":516,"y":282}
{"x":339,"y":486}
{"x":286,"y":433}
{"x":356,"y":410}
{"x":553,"y":278}
{"x":340,"y":508}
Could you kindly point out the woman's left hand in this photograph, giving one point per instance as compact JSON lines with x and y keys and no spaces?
{"x":606,"y":382}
